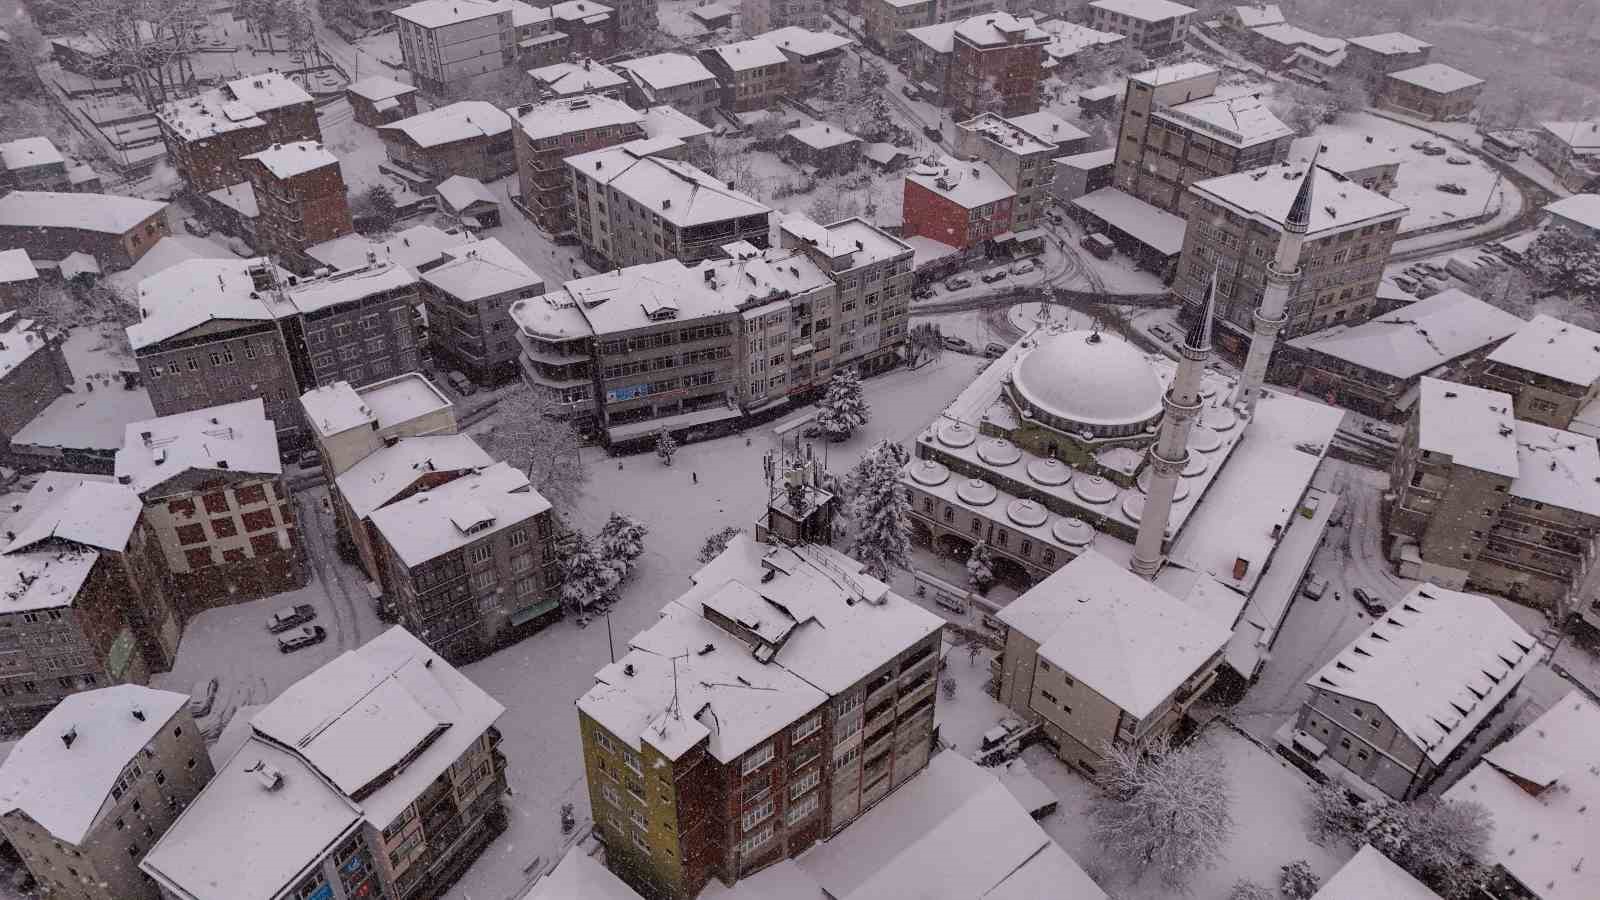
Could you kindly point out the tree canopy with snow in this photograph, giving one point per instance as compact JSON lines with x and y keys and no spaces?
{"x":1564,"y":259}
{"x":586,"y":576}
{"x":666,"y":446}
{"x":881,"y":512}
{"x":1440,"y":842}
{"x":716,"y":542}
{"x":544,"y":447}
{"x":1164,"y":810}
{"x":980,"y":566}
{"x":842,"y":409}
{"x":621,"y":542}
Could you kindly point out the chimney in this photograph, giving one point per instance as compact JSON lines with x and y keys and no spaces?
{"x":138,"y":713}
{"x":1241,"y":567}
{"x":70,"y":735}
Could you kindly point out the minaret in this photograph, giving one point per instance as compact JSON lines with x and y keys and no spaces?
{"x":1283,"y":273}
{"x":1170,"y":452}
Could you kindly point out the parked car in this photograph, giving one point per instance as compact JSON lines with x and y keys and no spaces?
{"x":462,"y":384}
{"x":924,"y":292}
{"x":910,"y":91}
{"x":1369,"y":603}
{"x":959,"y":345}
{"x":1434,"y":150}
{"x":994,"y":350}
{"x":1405,"y":284}
{"x":997,"y":735}
{"x":1422,"y":144}
{"x":290,"y":616}
{"x":1022,"y":267}
{"x":567,"y":239}
{"x":1378,"y":430}
{"x":196,"y":227}
{"x":933,"y":133}
{"x":310,"y":459}
{"x":1161,"y":333}
{"x":993,"y":275}
{"x":1314,"y":587}
{"x":202,"y":696}
{"x":1450,"y":187}
{"x":1098,"y":244}
{"x":1458,"y":160}
{"x":302,"y":637}
{"x":957,"y":282}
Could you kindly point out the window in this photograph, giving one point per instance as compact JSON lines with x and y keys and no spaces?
{"x":753,"y":842}
{"x":802,"y":809}
{"x":479,"y":554}
{"x":804,"y":783}
{"x":484,"y":580}
{"x":631,"y":760}
{"x":807,"y":728}
{"x":519,"y":537}
{"x":757,"y":758}
{"x":522,"y":562}
{"x":758,"y":813}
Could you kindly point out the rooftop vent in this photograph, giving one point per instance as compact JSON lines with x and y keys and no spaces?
{"x":138,"y":713}
{"x":627,"y":670}
{"x":70,"y":735}
{"x":269,"y":776}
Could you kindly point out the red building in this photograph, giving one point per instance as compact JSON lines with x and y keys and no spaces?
{"x":962,"y":204}
{"x":302,"y":197}
{"x":998,"y":63}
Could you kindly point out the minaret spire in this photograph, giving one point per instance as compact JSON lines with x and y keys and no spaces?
{"x":1283,"y":274}
{"x":1170,"y":453}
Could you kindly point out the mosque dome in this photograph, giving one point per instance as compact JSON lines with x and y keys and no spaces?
{"x":1086,"y":381}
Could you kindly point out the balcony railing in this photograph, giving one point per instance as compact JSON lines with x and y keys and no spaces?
{"x":880,"y":694}
{"x":910,"y":699}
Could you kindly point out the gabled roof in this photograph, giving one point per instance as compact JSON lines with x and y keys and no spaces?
{"x":664,"y":71}
{"x":483,"y":268}
{"x":1582,"y":138}
{"x":461,"y":192}
{"x":1437,"y":77}
{"x":439,"y":13}
{"x":1420,"y":337}
{"x":967,"y":184}
{"x":102,"y":213}
{"x":460,"y":121}
{"x":234,"y":437}
{"x":381,"y":405}
{"x":377,"y":87}
{"x":580,"y":876}
{"x":389,"y":471}
{"x":998,"y":28}
{"x":1370,"y":875}
{"x":427,"y":525}
{"x":85,"y":509}
{"x":1242,"y":121}
{"x":573,"y":114}
{"x":1555,"y":349}
{"x":296,"y":158}
{"x":1257,"y":16}
{"x":65,"y":788}
{"x":1123,"y":637}
{"x":1391,"y":43}
{"x":1268,"y":194}
{"x":1437,"y":664}
{"x":565,"y":78}
{"x":197,"y":291}
{"x":803,"y":42}
{"x":1144,"y":10}
{"x":414,"y":247}
{"x":1583,"y":209}
{"x":674,"y":190}
{"x":751,"y":54}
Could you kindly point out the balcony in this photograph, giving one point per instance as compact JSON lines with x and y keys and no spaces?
{"x":879,"y":721}
{"x":915,"y":695}
{"x":916,"y":670}
{"x":879,"y":694}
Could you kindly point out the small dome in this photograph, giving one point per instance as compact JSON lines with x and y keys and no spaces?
{"x":976,"y":492}
{"x":997,"y":451}
{"x":1133,"y":506}
{"x":1095,"y":489}
{"x":955,"y":434}
{"x":1090,"y":378}
{"x":929,"y":472}
{"x":1026,"y":513}
{"x":1218,"y":419}
{"x":1204,"y":440}
{"x":1178,"y":493}
{"x":1049,"y":472}
{"x":1195,"y":466}
{"x":1073,"y":532}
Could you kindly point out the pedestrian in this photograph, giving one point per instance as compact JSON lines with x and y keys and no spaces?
{"x":695,"y":476}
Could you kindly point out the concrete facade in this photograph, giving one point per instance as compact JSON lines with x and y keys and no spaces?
{"x":447,"y":43}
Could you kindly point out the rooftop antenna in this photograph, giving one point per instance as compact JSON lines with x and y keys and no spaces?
{"x":672,"y":708}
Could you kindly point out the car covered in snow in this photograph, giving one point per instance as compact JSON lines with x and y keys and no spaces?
{"x":1314,"y":586}
{"x":959,"y":345}
{"x":302,"y":637}
{"x":202,"y":696}
{"x":957,"y":282}
{"x":290,"y":616}
{"x":1368,"y":602}
{"x":993,"y":275}
{"x":1450,"y":187}
{"x":1022,"y":267}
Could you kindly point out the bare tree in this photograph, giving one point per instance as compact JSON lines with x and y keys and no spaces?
{"x":1164,"y":809}
{"x":146,"y":43}
{"x":533,"y":438}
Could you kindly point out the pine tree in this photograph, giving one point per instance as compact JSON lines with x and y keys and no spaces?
{"x":621,"y":542}
{"x":1297,"y":881}
{"x":842,"y":409}
{"x":666,"y":446}
{"x":881,"y":510}
{"x":1245,"y":889}
{"x":585,"y":575}
{"x":980,"y":567}
{"x":716,"y":542}
{"x":1164,"y":810}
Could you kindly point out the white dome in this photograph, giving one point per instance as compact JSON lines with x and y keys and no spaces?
{"x":1089,"y":378}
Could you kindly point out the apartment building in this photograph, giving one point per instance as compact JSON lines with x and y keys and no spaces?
{"x":1409,"y":696}
{"x":1571,"y":150}
{"x":872,"y":274}
{"x":376,"y":100}
{"x":844,"y":715}
{"x":115,"y":230}
{"x":470,"y":564}
{"x":1485,"y":500}
{"x":1102,"y":657}
{"x":471,"y":138}
{"x":885,"y":23}
{"x":19,"y":279}
{"x":964,"y":205}
{"x":546,"y":133}
{"x":634,"y":208}
{"x":1373,"y":57}
{"x":212,"y":487}
{"x":1155,"y":27}
{"x":95,"y":783}
{"x":1175,"y":131}
{"x":636,"y":21}
{"x":350,"y":422}
{"x":302,"y":198}
{"x":1433,"y":91}
{"x":561,"y":80}
{"x":1018,"y":155}
{"x":358,"y":325}
{"x":328,"y":811}
{"x":33,"y":164}
{"x":757,"y":16}
{"x":812,"y":55}
{"x":208,"y":135}
{"x":1236,"y":222}
{"x":446,"y":43}
{"x":997,"y":62}
{"x":753,"y":74}
{"x":467,"y":297}
{"x":33,"y":372}
{"x":87,"y":604}
{"x":672,"y":79}
{"x":1550,"y":368}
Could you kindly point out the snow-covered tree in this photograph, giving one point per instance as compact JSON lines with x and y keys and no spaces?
{"x":842,"y":409}
{"x":1334,"y":816}
{"x":925,"y":343}
{"x":980,"y":566}
{"x":1442,"y":843}
{"x":1164,"y":810}
{"x":716,"y":542}
{"x":586,"y":576}
{"x":1565,"y":260}
{"x":666,"y":446}
{"x":621,"y":542}
{"x":531,"y":438}
{"x":1296,"y":881}
{"x":297,"y":26}
{"x":377,"y":208}
{"x":881,"y":511}
{"x":1245,"y":889}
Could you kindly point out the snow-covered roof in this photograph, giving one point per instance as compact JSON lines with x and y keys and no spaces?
{"x":20,"y":339}
{"x":1347,"y":152}
{"x":43,"y":578}
{"x":1472,"y":425}
{"x":1120,"y":635}
{"x":103,"y":213}
{"x":882,"y":153}
{"x":967,"y":184}
{"x":1008,"y":133}
{"x":854,"y":237}
{"x":1266,"y":194}
{"x":580,"y":877}
{"x":804,"y":42}
{"x":461,"y":121}
{"x":440,"y":13}
{"x":1557,"y":468}
{"x":586,"y":11}
{"x":267,"y":91}
{"x":67,"y":788}
{"x":1422,"y":336}
{"x":1240,"y":121}
{"x":296,"y":158}
{"x":1543,"y":789}
{"x":77,"y":263}
{"x":1555,"y":349}
{"x":1438,"y":78}
{"x":939,"y":37}
{"x":460,"y":192}
{"x":822,"y":135}
{"x":1583,"y":209}
{"x":1094,"y":159}
{"x":639,"y":296}
{"x":551,"y":317}
{"x":664,"y":71}
{"x":483,"y":268}
{"x":1257,"y":16}
{"x":1151,"y":225}
{"x":16,"y":266}
{"x":667,"y":121}
{"x":1068,"y":39}
{"x":241,"y":198}
{"x":1582,"y":138}
{"x":197,"y":291}
{"x":339,"y":407}
{"x":1369,"y":875}
{"x":1161,"y":75}
{"x":1048,"y":127}
{"x":237,"y":437}
{"x":998,"y":28}
{"x":389,"y":470}
{"x":92,"y":510}
{"x":377,"y":87}
{"x":574,"y":114}
{"x":428,"y":525}
{"x":1391,"y":43}
{"x":750,"y":54}
{"x":1437,"y":664}
{"x":230,"y":107}
{"x":1294,"y":36}
{"x":568,"y":78}
{"x":84,"y":421}
{"x":951,"y":831}
{"x":25,"y":153}
{"x":350,"y":286}
{"x":1144,"y":10}
{"x":417,"y":246}
{"x":674,"y":190}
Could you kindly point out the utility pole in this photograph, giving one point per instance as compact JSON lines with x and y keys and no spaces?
{"x":610,"y":645}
